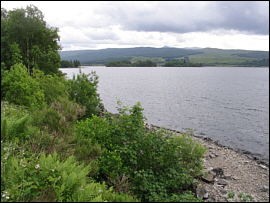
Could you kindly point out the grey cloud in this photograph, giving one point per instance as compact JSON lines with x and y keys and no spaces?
{"x":105,"y":35}
{"x":182,"y":17}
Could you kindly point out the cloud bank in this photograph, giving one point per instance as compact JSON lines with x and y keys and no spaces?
{"x":217,"y":24}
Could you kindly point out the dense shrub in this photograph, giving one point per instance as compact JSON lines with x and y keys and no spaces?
{"x":154,"y":162}
{"x":83,"y":90}
{"x":59,"y":117}
{"x":22,"y":89}
{"x":53,"y":86}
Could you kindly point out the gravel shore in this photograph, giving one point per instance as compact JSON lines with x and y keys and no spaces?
{"x":241,"y":175}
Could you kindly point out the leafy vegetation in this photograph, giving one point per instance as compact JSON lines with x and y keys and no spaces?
{"x":242,"y":197}
{"x":35,"y":40}
{"x":147,"y":63}
{"x":83,"y":90}
{"x":20,"y":88}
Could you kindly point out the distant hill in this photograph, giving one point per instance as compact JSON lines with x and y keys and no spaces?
{"x":206,"y":56}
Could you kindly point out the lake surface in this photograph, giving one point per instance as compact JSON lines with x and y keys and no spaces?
{"x":230,"y":105}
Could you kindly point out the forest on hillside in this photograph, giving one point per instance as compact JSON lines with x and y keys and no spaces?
{"x":206,"y":56}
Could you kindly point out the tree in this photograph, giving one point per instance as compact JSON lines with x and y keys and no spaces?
{"x":83,"y":90}
{"x":27,"y":28}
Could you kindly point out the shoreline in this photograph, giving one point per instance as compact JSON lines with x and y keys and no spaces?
{"x":241,"y":173}
{"x":207,"y":139}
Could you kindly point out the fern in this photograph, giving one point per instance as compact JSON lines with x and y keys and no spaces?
{"x":14,"y":127}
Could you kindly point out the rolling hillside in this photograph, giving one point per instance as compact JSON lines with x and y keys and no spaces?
{"x":206,"y":56}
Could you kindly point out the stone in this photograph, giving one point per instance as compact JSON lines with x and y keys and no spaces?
{"x":236,"y":178}
{"x":210,"y":199}
{"x":209,"y":169}
{"x":206,"y":195}
{"x":222,"y":182}
{"x":213,"y":173}
{"x":212,"y":156}
{"x":264,"y":188}
{"x":200,"y":192}
{"x":262,"y":166}
{"x":209,"y":178}
{"x":219,"y":171}
{"x":227,"y":176}
{"x":224,"y":192}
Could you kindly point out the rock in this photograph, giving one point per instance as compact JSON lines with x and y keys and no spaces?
{"x":200,"y":192}
{"x":213,"y":173}
{"x":219,"y":171}
{"x":212,"y":156}
{"x":264,"y":188}
{"x":227,"y":176}
{"x":206,"y":195}
{"x":224,"y":192}
{"x":210,"y":199}
{"x":222,"y":182}
{"x":262,"y":166}
{"x":236,"y":178}
{"x":209,"y":169}
{"x":209,"y":178}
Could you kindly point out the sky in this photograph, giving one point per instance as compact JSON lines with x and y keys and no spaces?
{"x":91,"y":25}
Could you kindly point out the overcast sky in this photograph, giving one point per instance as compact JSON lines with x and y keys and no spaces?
{"x":100,"y":24}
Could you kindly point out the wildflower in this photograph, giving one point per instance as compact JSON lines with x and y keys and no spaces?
{"x":100,"y":191}
{"x":37,"y":166}
{"x":7,"y":197}
{"x":3,"y":195}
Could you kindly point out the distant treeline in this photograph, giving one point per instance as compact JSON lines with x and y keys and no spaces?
{"x":70,"y":64}
{"x":181,"y":64}
{"x":104,"y":61}
{"x":147,"y":63}
{"x":256,"y":63}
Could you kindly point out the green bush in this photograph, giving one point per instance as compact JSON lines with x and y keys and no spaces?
{"x":87,"y":152}
{"x":59,"y":117}
{"x":53,"y":86}
{"x":97,"y":129}
{"x":111,"y":165}
{"x":191,"y":153}
{"x":21,"y":89}
{"x":153,"y":161}
{"x":83,"y":90}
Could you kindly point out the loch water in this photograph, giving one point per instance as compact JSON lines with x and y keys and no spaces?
{"x":230,"y":105}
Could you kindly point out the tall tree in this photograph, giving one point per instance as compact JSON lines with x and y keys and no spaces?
{"x":27,"y":28}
